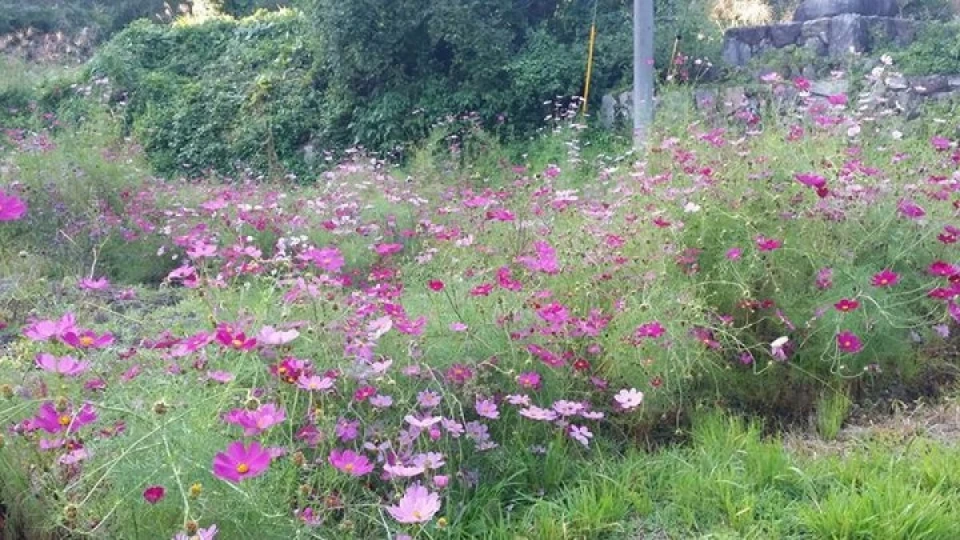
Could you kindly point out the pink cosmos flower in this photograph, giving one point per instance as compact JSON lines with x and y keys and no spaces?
{"x":811,"y":180}
{"x":388,"y":249}
{"x":436,"y":285}
{"x":422,"y":423}
{"x":350,"y":462}
{"x":90,"y":284}
{"x":46,"y":329}
{"x":418,"y":505}
{"x":954,"y":310}
{"x":580,"y":434}
{"x":210,"y":533}
{"x":651,"y":330}
{"x":258,"y":421}
{"x":885,"y":278}
{"x":940,"y":143}
{"x":767,"y":244}
{"x":848,"y":342}
{"x":778,"y":348}
{"x":240,"y":462}
{"x":802,"y":84}
{"x":536,"y":413}
{"x":942,"y":269}
{"x":847,"y":305}
{"x":545,"y":260}
{"x":237,"y":341}
{"x":734,"y":254}
{"x":629,"y":399}
{"x":911,"y":210}
{"x":487,"y":408}
{"x":53,"y":421}
{"x":824,"y":279}
{"x":66,"y":365}
{"x":314,"y":383}
{"x":529,"y":380}
{"x":328,"y":259}
{"x":87,"y":339}
{"x":269,"y":335}
{"x":12,"y":208}
{"x":404,"y":471}
{"x":837,"y":99}
{"x":154,"y":494}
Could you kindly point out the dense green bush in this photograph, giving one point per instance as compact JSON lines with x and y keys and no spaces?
{"x":217,"y":93}
{"x":936,"y":50}
{"x":256,"y":90}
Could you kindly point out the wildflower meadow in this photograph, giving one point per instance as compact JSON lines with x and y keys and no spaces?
{"x":574,"y":340}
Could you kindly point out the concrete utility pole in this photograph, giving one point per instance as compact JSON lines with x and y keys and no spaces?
{"x":642,"y":71}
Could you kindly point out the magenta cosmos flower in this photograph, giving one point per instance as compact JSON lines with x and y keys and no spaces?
{"x":885,"y":278}
{"x":51,"y":420}
{"x":47,"y":329}
{"x":271,"y":336}
{"x":240,"y":462}
{"x":154,"y":494}
{"x":328,"y":259}
{"x":848,"y":342}
{"x":91,"y":284}
{"x":237,"y":341}
{"x":66,"y":365}
{"x":87,"y":339}
{"x":418,"y":505}
{"x":767,"y":244}
{"x":11,"y":208}
{"x":847,"y":305}
{"x":258,"y":421}
{"x":350,"y":462}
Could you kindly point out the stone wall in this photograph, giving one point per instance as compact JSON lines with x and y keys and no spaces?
{"x":829,"y":36}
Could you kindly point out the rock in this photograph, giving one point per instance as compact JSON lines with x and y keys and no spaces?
{"x":751,"y":35}
{"x":829,"y":87}
{"x":954,"y":82}
{"x":896,"y":82}
{"x":929,"y":84}
{"x":608,"y":111}
{"x":736,"y":52}
{"x":847,"y":35}
{"x":818,"y":9}
{"x":782,"y":35}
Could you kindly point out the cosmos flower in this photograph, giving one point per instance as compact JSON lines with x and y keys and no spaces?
{"x":885,"y":278}
{"x":848,"y":342}
{"x":241,"y":462}
{"x":66,"y":365}
{"x":418,"y":505}
{"x":629,"y":399}
{"x":847,"y":305}
{"x":350,"y":462}
{"x":12,"y":208}
{"x":51,"y":420}
{"x":154,"y":494}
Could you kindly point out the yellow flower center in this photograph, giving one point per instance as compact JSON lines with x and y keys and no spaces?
{"x":417,"y":515}
{"x":243,"y":468}
{"x":86,"y":341}
{"x":348,"y":467}
{"x":237,"y":343}
{"x":64,"y":420}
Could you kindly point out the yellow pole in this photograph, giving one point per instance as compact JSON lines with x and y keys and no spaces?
{"x":586,"y":88}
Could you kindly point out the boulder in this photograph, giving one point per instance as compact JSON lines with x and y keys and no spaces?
{"x":608,"y":111}
{"x":848,"y":34}
{"x":928,"y":85}
{"x":736,"y":52}
{"x":782,"y":35}
{"x":818,"y":9}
